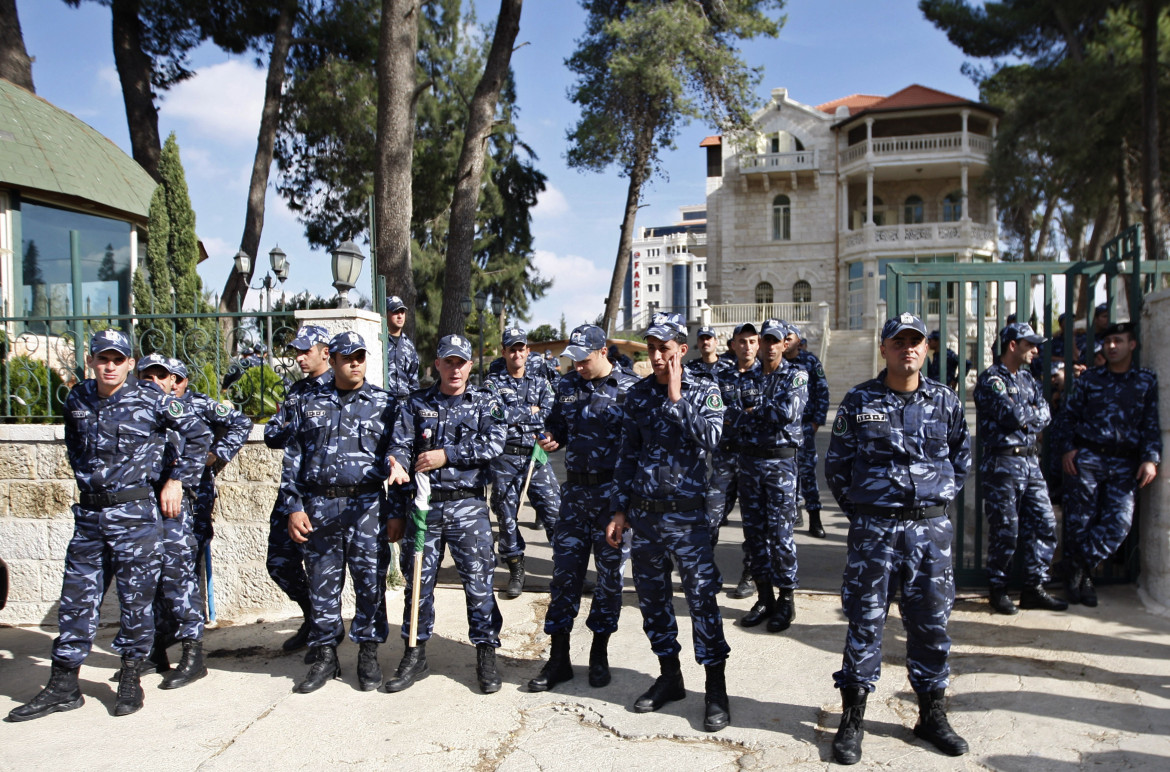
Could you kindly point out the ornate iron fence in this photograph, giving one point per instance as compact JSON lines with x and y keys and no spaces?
{"x":241,"y":358}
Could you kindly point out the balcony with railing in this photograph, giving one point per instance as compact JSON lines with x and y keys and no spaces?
{"x":738,"y":313}
{"x":920,"y":237}
{"x":916,"y":146}
{"x":766,"y":163}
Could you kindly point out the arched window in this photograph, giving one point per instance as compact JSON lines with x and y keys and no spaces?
{"x":802,"y":292}
{"x":912,"y":210}
{"x":953,"y":206}
{"x":764,"y":293}
{"x":781,"y":218}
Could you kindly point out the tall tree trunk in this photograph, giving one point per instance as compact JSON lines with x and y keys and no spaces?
{"x":638,"y":173}
{"x":469,"y":172}
{"x":393,"y":203}
{"x":14,"y":62}
{"x":1151,"y":185}
{"x":1045,"y":229}
{"x":236,"y":286}
{"x":134,"y":72}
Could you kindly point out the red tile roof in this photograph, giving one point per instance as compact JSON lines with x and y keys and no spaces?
{"x":918,"y":96}
{"x":854,"y":102}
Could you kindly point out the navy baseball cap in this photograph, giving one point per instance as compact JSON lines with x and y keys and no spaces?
{"x":745,"y":327}
{"x":584,"y":341}
{"x":454,"y":346}
{"x":1101,"y":309}
{"x":178,"y":368}
{"x":1118,"y":328}
{"x":310,"y":335}
{"x":666,"y":326}
{"x":514,"y":335}
{"x":394,"y":303}
{"x":1020,"y":331}
{"x":934,"y":335}
{"x":346,"y":343}
{"x":154,"y":360}
{"x":109,"y":339}
{"x":777,"y":328}
{"x":906,"y":321}
{"x":793,"y":330}
{"x":706,"y":331}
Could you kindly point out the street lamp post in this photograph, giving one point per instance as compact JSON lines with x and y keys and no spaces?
{"x":347,"y":267}
{"x":279,"y":261}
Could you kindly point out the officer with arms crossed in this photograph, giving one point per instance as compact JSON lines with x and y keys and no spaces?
{"x":1111,"y":445}
{"x":670,"y":420}
{"x":898,"y":456}
{"x":587,"y":421}
{"x":115,"y":436}
{"x":1011,"y":412}
{"x":401,"y":356}
{"x":451,"y":433}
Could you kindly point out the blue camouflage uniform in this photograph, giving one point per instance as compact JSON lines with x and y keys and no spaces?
{"x":470,"y":428}
{"x":723,"y":489}
{"x":932,"y":368}
{"x":1011,"y":412}
{"x":769,"y":434}
{"x":660,"y":485}
{"x":402,"y":360}
{"x":721,"y":471}
{"x":895,"y":462}
{"x":229,"y":429}
{"x":335,"y":466}
{"x":509,"y":470}
{"x":587,"y":422}
{"x":115,"y":447}
{"x":1111,"y":420}
{"x":815,"y":414}
{"x":286,"y":560}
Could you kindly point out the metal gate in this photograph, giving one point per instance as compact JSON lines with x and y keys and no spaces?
{"x":973,"y":301}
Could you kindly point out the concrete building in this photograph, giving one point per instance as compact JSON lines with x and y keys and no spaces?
{"x":668,"y":270}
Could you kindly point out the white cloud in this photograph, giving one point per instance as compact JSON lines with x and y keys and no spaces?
{"x":578,"y":291}
{"x":221,"y":101}
{"x":551,"y":203}
{"x":108,"y":78}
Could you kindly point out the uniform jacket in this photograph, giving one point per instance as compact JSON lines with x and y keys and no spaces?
{"x":586,"y":419}
{"x":1113,"y":410}
{"x":401,"y":365}
{"x":277,"y":431}
{"x":517,"y":396}
{"x":1011,"y":409}
{"x":773,"y":407}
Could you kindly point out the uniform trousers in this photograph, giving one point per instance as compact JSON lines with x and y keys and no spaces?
{"x":767,"y":488}
{"x":1019,"y":517}
{"x":508,"y":472}
{"x":1098,"y":506}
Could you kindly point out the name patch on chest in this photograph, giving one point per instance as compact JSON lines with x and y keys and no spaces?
{"x":316,"y":413}
{"x":862,"y":418}
{"x":81,"y":414}
{"x":424,"y":413}
{"x":568,"y":398}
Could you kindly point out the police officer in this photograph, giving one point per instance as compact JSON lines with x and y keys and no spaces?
{"x":933,"y":365}
{"x":586,"y":421}
{"x":671,"y":419}
{"x":451,"y":433}
{"x":815,"y":412}
{"x":332,"y":492}
{"x":898,"y":455}
{"x":770,"y":433}
{"x":285,"y":560}
{"x":1012,"y":412}
{"x":708,"y":360}
{"x":401,"y":356}
{"x":1111,"y":446}
{"x":527,"y":400}
{"x":723,"y":488}
{"x":114,"y":436}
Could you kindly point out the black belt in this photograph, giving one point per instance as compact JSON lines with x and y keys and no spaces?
{"x":1108,"y":450}
{"x":588,"y":478}
{"x":658,"y":507}
{"x":1019,"y":450}
{"x":458,"y":494}
{"x":757,"y":452}
{"x":106,"y":499}
{"x":518,"y":450}
{"x":901,"y":513}
{"x":344,"y":491}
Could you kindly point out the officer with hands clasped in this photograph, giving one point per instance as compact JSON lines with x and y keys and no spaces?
{"x":671,"y":419}
{"x":450,"y":433}
{"x":898,"y":456}
{"x":114,"y":437}
{"x":1011,"y":412}
{"x":332,"y":491}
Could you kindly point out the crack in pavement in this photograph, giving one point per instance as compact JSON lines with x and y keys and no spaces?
{"x":226,"y":745}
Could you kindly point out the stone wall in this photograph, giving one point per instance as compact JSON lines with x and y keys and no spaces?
{"x":1155,"y":499}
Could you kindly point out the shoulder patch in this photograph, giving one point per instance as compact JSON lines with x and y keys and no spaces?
{"x":801,"y":379}
{"x":715,"y":402}
{"x":176,"y":408}
{"x":997,"y":385}
{"x":820,"y":370}
{"x":221,"y":410}
{"x":840,"y":426}
{"x":497,"y":412}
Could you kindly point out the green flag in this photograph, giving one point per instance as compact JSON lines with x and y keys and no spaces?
{"x":422,"y":505}
{"x":538,"y":455}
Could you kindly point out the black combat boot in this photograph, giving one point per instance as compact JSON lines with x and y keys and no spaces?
{"x":191,"y":667}
{"x":847,"y":743}
{"x":157,"y":657}
{"x":301,"y":638}
{"x":485,"y":668}
{"x":1088,"y":591}
{"x":558,"y":668}
{"x":746,"y":585}
{"x":60,"y":695}
{"x":325,"y":668}
{"x":763,"y":608}
{"x":933,"y":726}
{"x":515,"y":576}
{"x":1072,"y":584}
{"x":129,"y":688}
{"x":599,"y":660}
{"x":718,"y":709}
{"x":1038,"y":597}
{"x":413,"y":667}
{"x":815,"y":529}
{"x":1001,"y":602}
{"x":369,"y":673}
{"x":785,"y":612}
{"x":666,"y":688}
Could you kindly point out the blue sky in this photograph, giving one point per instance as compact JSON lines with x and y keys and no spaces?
{"x":826,"y":50}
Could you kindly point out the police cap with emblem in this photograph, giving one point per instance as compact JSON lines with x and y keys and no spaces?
{"x":706,"y":331}
{"x":584,"y":341}
{"x":666,"y":327}
{"x":310,"y":335}
{"x":154,"y":360}
{"x":1019,"y":331}
{"x":1118,"y":328}
{"x":514,"y":335}
{"x":747,"y":327}
{"x":776,"y":328}
{"x":394,"y":303}
{"x":109,"y":339}
{"x":178,"y":368}
{"x":906,"y":321}
{"x":346,"y":343}
{"x":454,"y":346}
